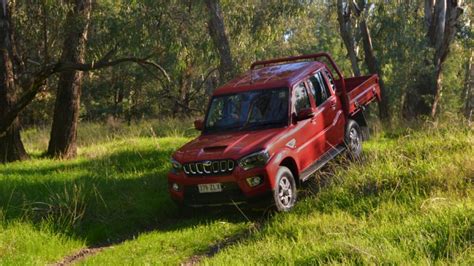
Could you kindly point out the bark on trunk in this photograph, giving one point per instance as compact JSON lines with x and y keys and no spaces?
{"x":345,"y":28}
{"x":374,"y":67}
{"x":221,"y":42}
{"x":11,"y":146}
{"x":437,"y":91}
{"x":450,"y":11}
{"x":349,"y":12}
{"x":441,"y":18}
{"x":468,"y":93}
{"x":62,"y":143}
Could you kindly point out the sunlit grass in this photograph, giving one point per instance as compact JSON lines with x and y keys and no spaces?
{"x":409,"y":201}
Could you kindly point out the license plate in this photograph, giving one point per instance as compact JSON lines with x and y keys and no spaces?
{"x":210,"y":188}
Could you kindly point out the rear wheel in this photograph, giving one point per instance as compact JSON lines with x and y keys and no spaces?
{"x":285,"y":193}
{"x":353,"y":139}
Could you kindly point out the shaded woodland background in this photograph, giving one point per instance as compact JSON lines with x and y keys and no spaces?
{"x":115,"y":61}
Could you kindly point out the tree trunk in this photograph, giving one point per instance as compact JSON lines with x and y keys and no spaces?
{"x":374,"y":67}
{"x":441,"y":19}
{"x":221,"y":42}
{"x":62,"y":143}
{"x":345,"y":28}
{"x":11,"y":146}
{"x":450,"y":11}
{"x":437,"y":91}
{"x":468,"y":94}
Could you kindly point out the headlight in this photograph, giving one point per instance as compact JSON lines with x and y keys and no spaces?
{"x":257,"y":159}
{"x":176,"y":165}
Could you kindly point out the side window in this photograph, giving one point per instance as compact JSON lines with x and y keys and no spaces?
{"x":331,"y":80}
{"x":319,"y":88}
{"x":301,"y":98}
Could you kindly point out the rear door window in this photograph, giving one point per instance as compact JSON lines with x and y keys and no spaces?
{"x":320,"y":89}
{"x":301,"y":98}
{"x":330,"y":79}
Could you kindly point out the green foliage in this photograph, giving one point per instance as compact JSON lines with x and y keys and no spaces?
{"x":175,"y":35}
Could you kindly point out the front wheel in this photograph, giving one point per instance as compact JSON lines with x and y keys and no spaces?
{"x":284,"y":194}
{"x":353,"y":139}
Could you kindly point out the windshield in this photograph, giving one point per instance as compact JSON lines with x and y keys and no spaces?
{"x":248,"y":110}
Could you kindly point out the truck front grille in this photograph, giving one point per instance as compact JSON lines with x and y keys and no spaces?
{"x":204,"y":168}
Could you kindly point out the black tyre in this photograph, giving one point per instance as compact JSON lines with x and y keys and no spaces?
{"x":285,"y":193}
{"x":353,"y":139}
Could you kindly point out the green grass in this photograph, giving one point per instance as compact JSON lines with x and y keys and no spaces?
{"x":170,"y":248}
{"x":113,"y":191}
{"x":409,"y":201}
{"x":90,"y":134}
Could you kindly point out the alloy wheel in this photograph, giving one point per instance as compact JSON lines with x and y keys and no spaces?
{"x":285,"y":193}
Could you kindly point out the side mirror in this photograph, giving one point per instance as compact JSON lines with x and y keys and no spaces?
{"x":199,"y":124}
{"x":305,"y":114}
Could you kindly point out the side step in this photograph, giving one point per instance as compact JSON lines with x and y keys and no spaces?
{"x":329,"y":155}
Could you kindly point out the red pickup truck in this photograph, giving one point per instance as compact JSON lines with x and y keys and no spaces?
{"x":270,"y":129}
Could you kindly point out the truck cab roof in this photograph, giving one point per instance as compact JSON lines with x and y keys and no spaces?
{"x":267,"y":77}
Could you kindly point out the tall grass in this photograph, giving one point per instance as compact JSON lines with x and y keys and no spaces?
{"x":115,"y":190}
{"x":91,"y":133}
{"x":410,"y":200}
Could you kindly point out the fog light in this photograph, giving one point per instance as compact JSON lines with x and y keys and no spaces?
{"x":175,"y":187}
{"x":254,"y":181}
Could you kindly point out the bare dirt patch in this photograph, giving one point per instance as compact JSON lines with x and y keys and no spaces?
{"x":80,"y":255}
{"x":216,"y":248}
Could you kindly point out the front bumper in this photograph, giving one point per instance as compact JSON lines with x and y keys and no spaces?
{"x":235,"y":189}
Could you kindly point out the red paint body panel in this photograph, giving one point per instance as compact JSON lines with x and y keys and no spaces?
{"x":361,"y":91}
{"x":312,"y":137}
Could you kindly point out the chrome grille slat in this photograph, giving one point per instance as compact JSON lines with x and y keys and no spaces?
{"x":206,"y":168}
{"x":197,"y":168}
{"x":215,"y":167}
{"x":191,"y":168}
{"x":186,"y":169}
{"x":223,"y":165}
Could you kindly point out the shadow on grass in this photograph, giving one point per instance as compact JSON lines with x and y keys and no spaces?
{"x":104,"y":200}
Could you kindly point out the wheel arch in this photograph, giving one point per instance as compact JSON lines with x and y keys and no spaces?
{"x":290,"y":163}
{"x":359,"y":117}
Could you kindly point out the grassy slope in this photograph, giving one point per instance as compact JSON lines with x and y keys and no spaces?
{"x":113,"y":191}
{"x":410,"y":200}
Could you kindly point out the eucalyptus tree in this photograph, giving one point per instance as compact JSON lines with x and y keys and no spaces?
{"x":11,"y":147}
{"x":353,"y":26}
{"x":442,"y":21}
{"x":219,"y":37}
{"x":62,"y":142}
{"x":23,"y":78}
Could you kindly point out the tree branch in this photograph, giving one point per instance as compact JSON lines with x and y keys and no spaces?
{"x":204,"y":80}
{"x":34,"y":86}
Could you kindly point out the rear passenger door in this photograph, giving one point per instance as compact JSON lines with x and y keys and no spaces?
{"x":336,"y":132}
{"x":326,"y":108}
{"x":305,"y":130}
